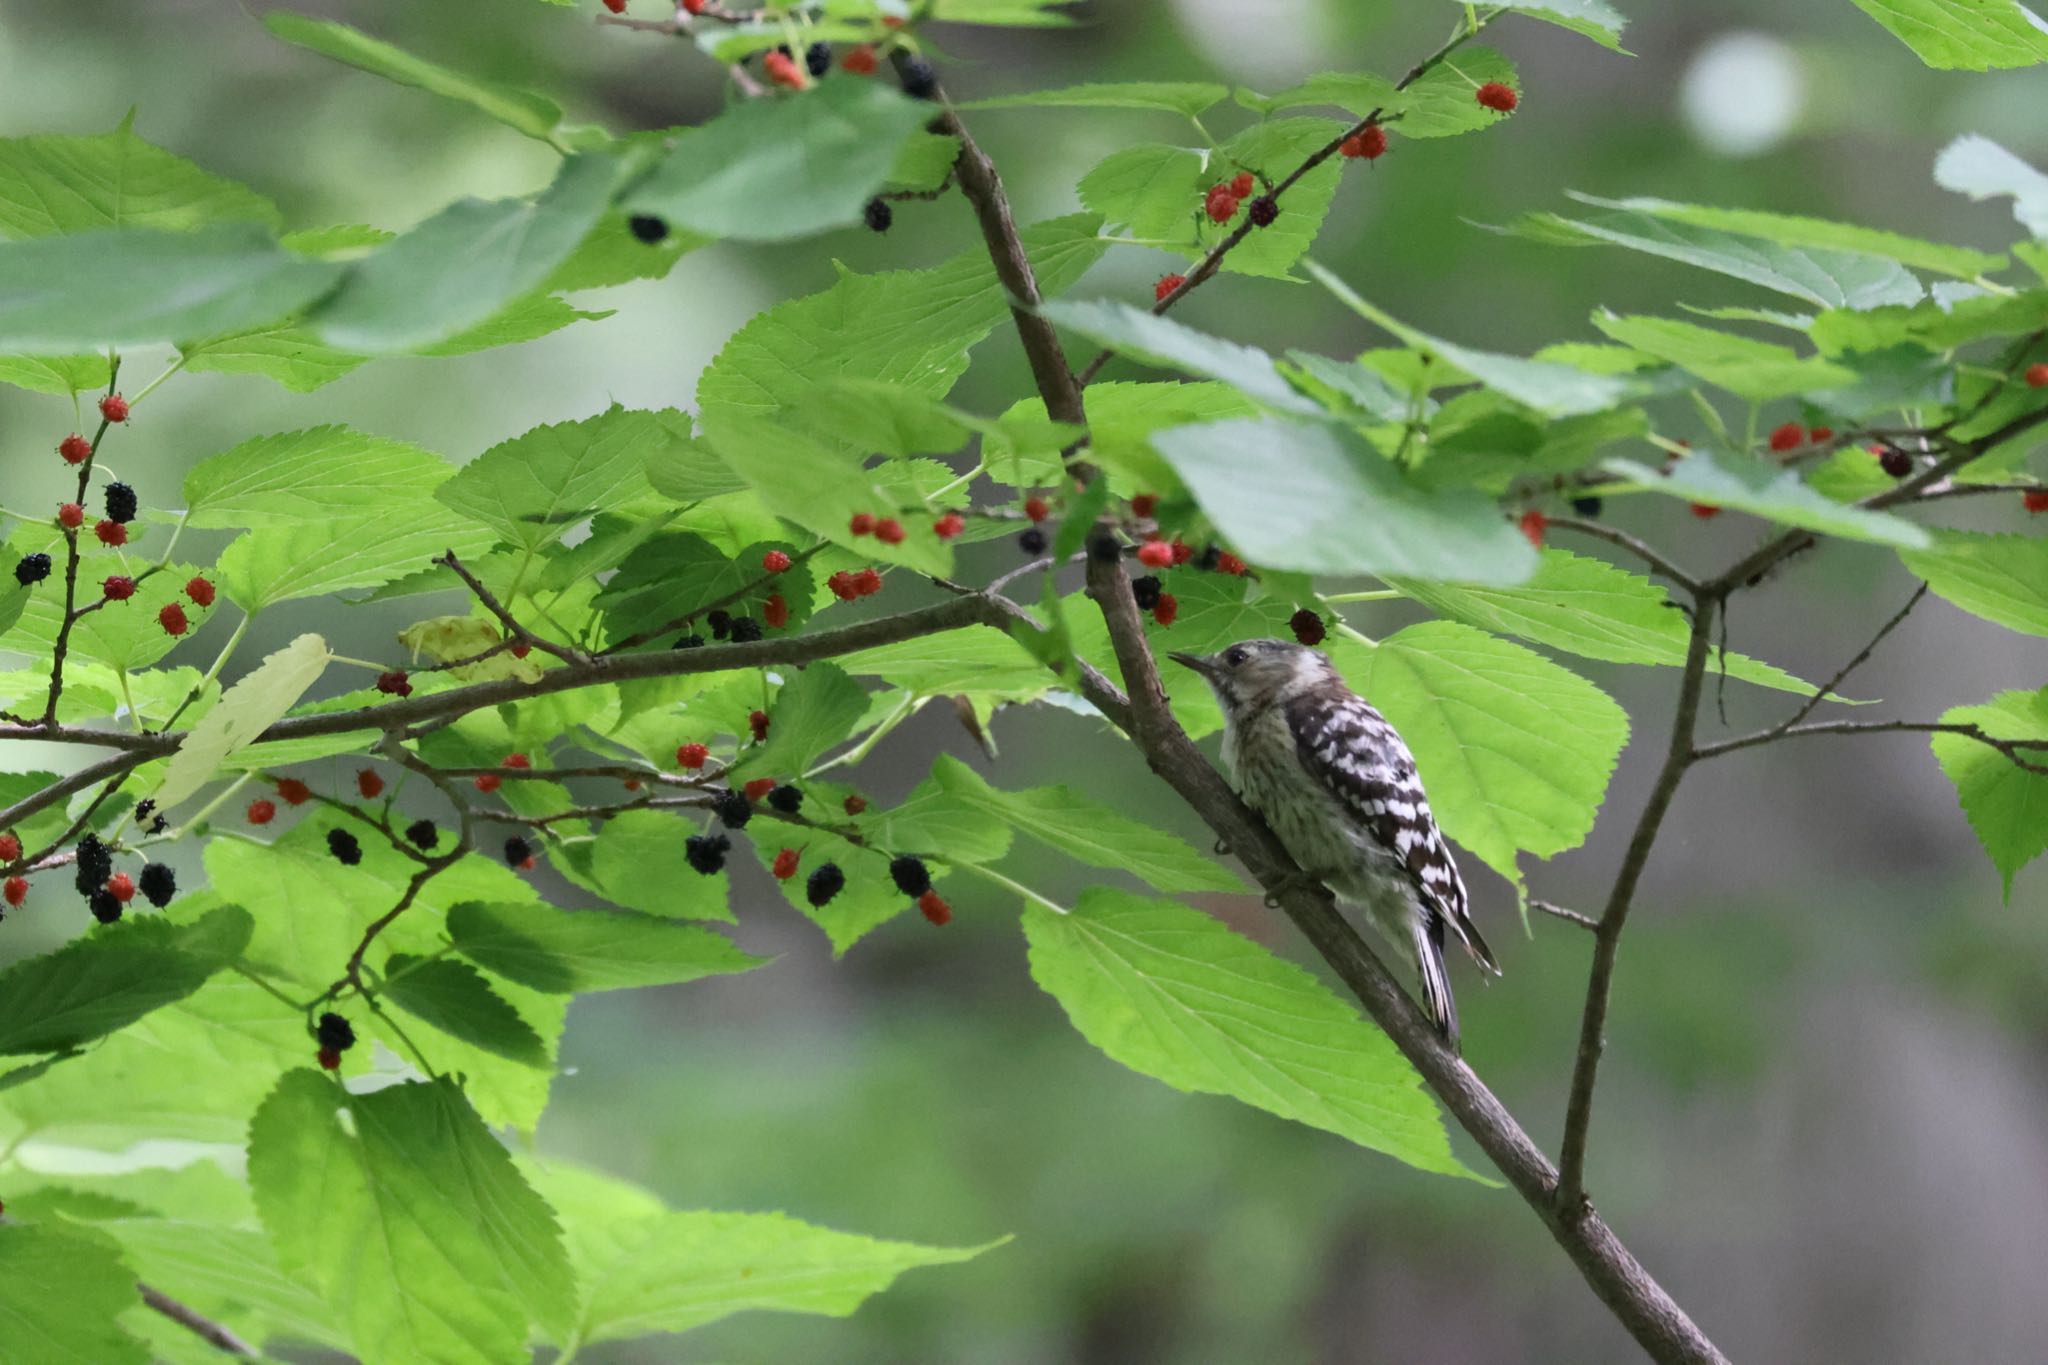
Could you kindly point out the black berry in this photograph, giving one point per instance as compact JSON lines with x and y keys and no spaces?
{"x":106,"y":906}
{"x":334,"y":1033}
{"x":1032,"y":542}
{"x":911,"y":876}
{"x":1211,"y":556}
{"x":745,"y":630}
{"x":518,"y":852}
{"x":720,"y":623}
{"x":423,"y":834}
{"x":786,"y":799}
{"x":818,"y":58}
{"x":733,"y":808}
{"x":1586,"y":507}
{"x":919,"y":80}
{"x":1264,"y":211}
{"x":706,"y":852}
{"x":689,"y":642}
{"x":32,"y":569}
{"x":878,"y":215}
{"x":344,"y":847}
{"x":826,"y":881}
{"x":158,"y":884}
{"x":1307,"y":627}
{"x":1146,"y":590}
{"x":121,"y":502}
{"x":95,"y":864}
{"x":1896,"y":463}
{"x":647,"y":228}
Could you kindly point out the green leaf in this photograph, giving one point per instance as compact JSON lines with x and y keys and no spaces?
{"x":462,"y":265}
{"x":1148,"y":189}
{"x":407,"y":1217}
{"x":61,"y":1292}
{"x":934,"y":820}
{"x":1964,"y":35}
{"x":257,"y":700}
{"x":109,"y":979}
{"x":887,"y":419}
{"x":981,"y":661}
{"x":2002,"y":578}
{"x":1177,"y":996}
{"x":532,"y":114}
{"x":132,"y":288}
{"x":638,"y":861}
{"x":1553,"y":389}
{"x":1359,"y":93}
{"x":295,"y":477}
{"x":2006,"y":805}
{"x":1162,"y":341}
{"x":813,"y":711}
{"x":1002,"y":13}
{"x":1514,"y":750}
{"x":535,"y":487}
{"x":1768,"y":491}
{"x":1593,"y":19}
{"x":1756,"y":371}
{"x":455,"y":998}
{"x":228,"y":1273}
{"x":1793,"y":230}
{"x":62,"y":375}
{"x":1440,"y":103}
{"x":1187,"y":98}
{"x":1982,"y":169}
{"x":1934,"y":325}
{"x":672,"y":1272}
{"x":771,"y":170}
{"x":1275,"y":147}
{"x":589,"y":950}
{"x":1590,"y":608}
{"x":284,"y":353}
{"x":1320,"y":499}
{"x":1088,"y":831}
{"x":274,"y":564}
{"x":55,"y":184}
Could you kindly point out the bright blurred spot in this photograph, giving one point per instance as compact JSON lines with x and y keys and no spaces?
{"x":1742,"y":94}
{"x":1258,"y":40}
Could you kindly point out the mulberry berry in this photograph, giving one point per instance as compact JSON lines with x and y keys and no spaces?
{"x":647,"y":228}
{"x":1036,"y":509}
{"x":1242,"y":184}
{"x":688,"y":642}
{"x":732,"y":808}
{"x":119,"y":588}
{"x":1820,"y":434}
{"x":1308,"y":627}
{"x":1165,"y":285}
{"x":782,"y":70}
{"x":1265,"y":210}
{"x":825,"y":882}
{"x":1534,"y":524}
{"x":785,"y":865}
{"x":1368,"y":144}
{"x":1498,"y":97}
{"x":1789,"y":436}
{"x":518,"y":853}
{"x":878,"y":215}
{"x":1144,"y":504}
{"x":861,"y":523}
{"x":172,"y":618}
{"x":75,"y":449}
{"x":16,"y":890}
{"x":261,"y":812}
{"x":1146,"y":590}
{"x":720,"y":623}
{"x":369,"y":784}
{"x":114,"y":408}
{"x":745,"y":630}
{"x":859,"y":60}
{"x":949,"y":525}
{"x":159,"y":883}
{"x":919,"y":80}
{"x":111,"y":533}
{"x":1587,"y":507}
{"x":706,"y":853}
{"x":775,"y":561}
{"x":1220,"y":204}
{"x":394,"y":683}
{"x":889,"y":531}
{"x":2037,"y":375}
{"x":70,"y":515}
{"x":787,"y":799}
{"x":818,"y":58}
{"x":32,"y":569}
{"x":1896,"y":463}
{"x":487,"y":782}
{"x":95,"y":864}
{"x":334,"y":1032}
{"x":344,"y":847}
{"x":10,"y":847}
{"x":105,"y":905}
{"x":757,"y":789}
{"x":121,"y":502}
{"x":423,"y":834}
{"x":294,"y":791}
{"x":201,"y":590}
{"x":2035,"y":499}
{"x":775,"y":612}
{"x":691,"y":756}
{"x":329,"y":1059}
{"x":910,"y":874}
{"x":122,"y":886}
{"x":1156,"y":554}
{"x":854,"y":803}
{"x":1031,"y":541}
{"x":867,"y":583}
{"x":1705,"y":511}
{"x":1167,"y":611}
{"x":934,"y":908}
{"x":757,"y":724}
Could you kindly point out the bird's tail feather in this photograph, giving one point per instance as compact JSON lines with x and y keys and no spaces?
{"x":1436,"y":977}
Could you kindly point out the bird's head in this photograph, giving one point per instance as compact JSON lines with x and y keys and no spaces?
{"x":1255,"y":673}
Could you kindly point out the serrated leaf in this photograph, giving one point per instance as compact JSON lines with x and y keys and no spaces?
{"x":131,"y":288}
{"x":275,"y":564}
{"x":1768,"y":491}
{"x":1756,"y":371}
{"x":532,"y":114}
{"x":227,"y":1272}
{"x":62,"y":375}
{"x":257,"y":700}
{"x":455,"y":998}
{"x":1162,"y":341}
{"x":816,"y":709}
{"x":407,"y":1217}
{"x":1440,"y":102}
{"x":52,"y":183}
{"x":108,"y":980}
{"x":121,"y":635}
{"x":1086,"y":830}
{"x":1187,"y":98}
{"x":1965,"y":35}
{"x":638,"y":862}
{"x":982,"y":661}
{"x":589,"y":950}
{"x":295,"y":477}
{"x":1982,"y":169}
{"x":1320,"y":499}
{"x":2002,"y":578}
{"x":1794,"y":230}
{"x":2007,"y":806}
{"x":61,"y":1292}
{"x":537,"y":486}
{"x":1149,"y":188}
{"x":1177,"y":996}
{"x":1934,"y":325}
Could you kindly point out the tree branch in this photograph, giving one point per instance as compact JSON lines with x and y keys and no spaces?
{"x":206,"y":1329}
{"x":2011,"y":748}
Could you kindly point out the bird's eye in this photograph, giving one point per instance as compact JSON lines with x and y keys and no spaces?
{"x":1235,"y":656}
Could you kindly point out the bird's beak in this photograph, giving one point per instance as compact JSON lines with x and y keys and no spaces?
{"x":1198,"y":662}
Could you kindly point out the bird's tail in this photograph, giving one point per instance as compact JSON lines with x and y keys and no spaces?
{"x":1436,"y":977}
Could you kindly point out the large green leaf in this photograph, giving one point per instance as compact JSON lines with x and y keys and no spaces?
{"x":2006,"y":804}
{"x":461,"y":266}
{"x":1982,"y":169}
{"x":1320,"y":499}
{"x":257,"y":700}
{"x":1187,"y":98}
{"x":769,"y":170}
{"x":1768,"y":491}
{"x":277,"y":563}
{"x":813,"y":711}
{"x":229,"y":1272}
{"x":298,"y":476}
{"x":1514,"y":750}
{"x":532,"y":114}
{"x":1147,"y":188}
{"x":589,"y":950}
{"x":1440,"y":104}
{"x":1793,"y":230}
{"x":1063,"y":819}
{"x":52,"y":183}
{"x":122,"y":635}
{"x":1595,"y":19}
{"x":62,"y":375}
{"x":2002,"y":578}
{"x":1162,"y":341}
{"x":1179,"y":997}
{"x":1966,"y":35}
{"x":131,"y":288}
{"x":1590,"y":608}
{"x":639,"y":862}
{"x":407,"y":1217}
{"x":1756,"y":371}
{"x":537,"y":486}
{"x":111,"y":978}
{"x":61,"y":1291}
{"x":455,"y":998}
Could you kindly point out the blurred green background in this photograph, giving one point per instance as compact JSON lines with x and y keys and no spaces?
{"x":1824,"y":1117}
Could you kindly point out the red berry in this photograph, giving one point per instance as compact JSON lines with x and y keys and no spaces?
{"x":521,"y":650}
{"x":1241,"y":184}
{"x":691,"y":756}
{"x":1166,"y":285}
{"x":1496,"y":96}
{"x":172,"y":618}
{"x":1166,"y":609}
{"x":114,"y":408}
{"x":859,"y":60}
{"x":122,"y":887}
{"x":1533,"y":525}
{"x":1790,"y":436}
{"x":1229,"y":563}
{"x":70,"y":516}
{"x":262,"y":812}
{"x":854,"y":804}
{"x":1143,"y":504}
{"x":1036,"y":509}
{"x":1220,"y":204}
{"x":1182,"y":551}
{"x":866,"y":583}
{"x":201,"y":591}
{"x":775,"y":561}
{"x":889,"y":531}
{"x":294,"y":792}
{"x":775,"y":612}
{"x":758,"y":788}
{"x":862,"y":523}
{"x":842,"y":586}
{"x":2035,"y":499}
{"x":757,"y":722}
{"x":10,"y":848}
{"x":1819,"y":434}
{"x":1367,"y":144}
{"x":785,"y":865}
{"x":2037,"y":375}
{"x":393,"y":684}
{"x":369,"y":784}
{"x":949,"y":525}
{"x":783,"y":71}
{"x":16,"y":890}
{"x":75,"y":449}
{"x":488,"y":782}
{"x":615,"y":6}
{"x":330,"y":1059}
{"x":934,"y":908}
{"x":1705,"y":511}
{"x":1307,"y":626}
{"x":515,"y":761}
{"x":119,"y":588}
{"x":1155,"y":554}
{"x":111,"y":532}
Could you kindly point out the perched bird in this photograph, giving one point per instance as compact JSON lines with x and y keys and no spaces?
{"x":1340,"y":790}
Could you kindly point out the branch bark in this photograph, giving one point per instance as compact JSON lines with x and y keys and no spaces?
{"x":206,"y":1329}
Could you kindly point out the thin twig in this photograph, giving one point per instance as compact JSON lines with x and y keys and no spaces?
{"x":2011,"y":748}
{"x":496,"y":608}
{"x":206,"y":1329}
{"x":1635,"y":545}
{"x":1827,"y":688}
{"x":1571,"y":916}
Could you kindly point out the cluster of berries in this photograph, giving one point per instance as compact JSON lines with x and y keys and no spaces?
{"x":888,"y":530}
{"x":1223,"y":198}
{"x":846,"y":586}
{"x":107,"y":892}
{"x":1367,"y":144}
{"x":1790,"y":436}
